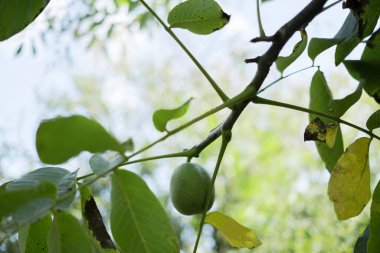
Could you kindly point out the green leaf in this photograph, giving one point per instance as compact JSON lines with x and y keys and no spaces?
{"x":3,"y":187}
{"x":359,"y":24}
{"x":368,"y":75}
{"x":94,"y":222}
{"x":283,"y":62}
{"x":345,"y":48}
{"x":371,"y":17}
{"x":320,"y":98}
{"x":64,"y":180}
{"x":13,"y":200}
{"x":349,"y":185}
{"x":138,"y":221}
{"x":100,"y":165}
{"x":367,"y":13}
{"x":16,"y":15}
{"x":163,"y":116}
{"x":236,"y":234}
{"x":374,"y":223}
{"x":362,"y":241}
{"x":348,"y":30}
{"x":319,"y":45}
{"x":67,"y":235}
{"x":373,"y":121}
{"x":339,"y":107}
{"x":198,"y":16}
{"x":33,"y":238}
{"x":61,"y":138}
{"x":366,"y":70}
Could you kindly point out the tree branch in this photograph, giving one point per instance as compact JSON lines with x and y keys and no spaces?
{"x":262,"y":39}
{"x":253,"y":60}
{"x":278,"y":40}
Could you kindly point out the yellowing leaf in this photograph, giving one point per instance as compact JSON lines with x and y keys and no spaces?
{"x":236,"y":234}
{"x":317,"y":130}
{"x":349,"y":185}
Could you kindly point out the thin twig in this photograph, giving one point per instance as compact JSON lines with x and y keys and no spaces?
{"x":261,"y":29}
{"x":193,"y":152}
{"x":259,"y":100}
{"x":280,"y":38}
{"x":226,"y":138}
{"x":216,"y":87}
{"x":331,"y":5}
{"x":253,"y":60}
{"x":263,"y":39}
{"x":283,"y":77}
{"x":231,"y":102}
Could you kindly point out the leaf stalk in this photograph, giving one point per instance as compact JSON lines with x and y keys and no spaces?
{"x":216,"y":87}
{"x":259,"y":100}
{"x":226,"y":138}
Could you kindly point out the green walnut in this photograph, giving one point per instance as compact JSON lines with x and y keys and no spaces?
{"x":188,"y":189}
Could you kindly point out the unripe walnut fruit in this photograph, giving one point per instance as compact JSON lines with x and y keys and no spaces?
{"x":189,"y":186}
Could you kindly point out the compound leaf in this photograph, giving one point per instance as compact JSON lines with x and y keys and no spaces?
{"x":236,"y":234}
{"x":349,"y":185}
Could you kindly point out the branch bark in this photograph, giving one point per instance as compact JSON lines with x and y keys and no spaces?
{"x":278,"y":40}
